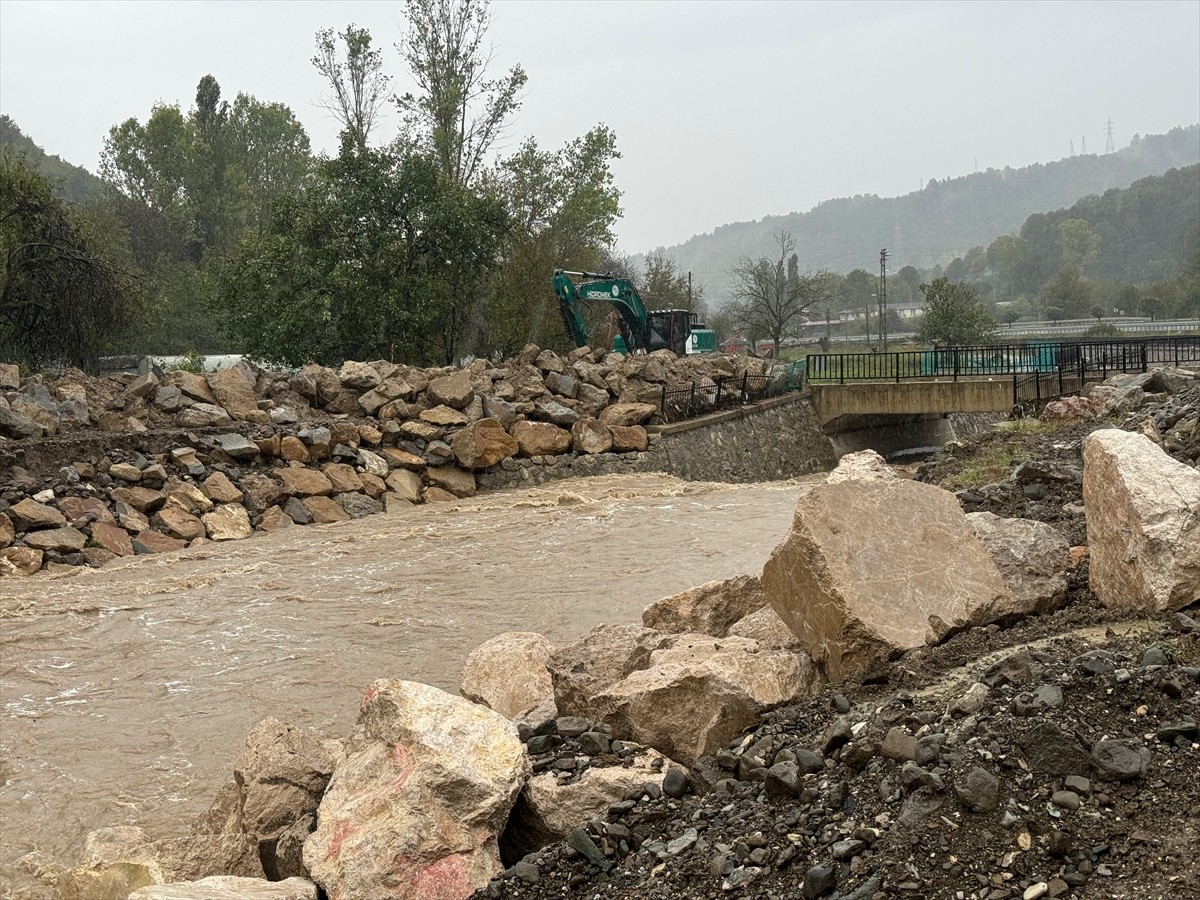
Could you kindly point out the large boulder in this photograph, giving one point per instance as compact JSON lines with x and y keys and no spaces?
{"x":549,"y":808}
{"x":118,"y":860}
{"x":508,"y":673}
{"x":709,"y":609}
{"x":582,"y":669}
{"x":234,"y":390}
{"x":29,"y":515}
{"x":864,"y":465}
{"x":767,"y":628}
{"x":452,"y":390}
{"x":873,"y":568}
{"x":541,"y":438}
{"x":482,"y":444}
{"x":590,"y":435}
{"x":416,"y":806}
{"x":700,"y":693}
{"x":1032,"y":557}
{"x":628,"y":413}
{"x":281,"y":774}
{"x":1143,"y":523}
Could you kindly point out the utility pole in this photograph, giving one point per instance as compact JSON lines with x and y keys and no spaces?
{"x":883,"y":299}
{"x":1108,"y":136}
{"x":690,"y":307}
{"x":1083,"y":151}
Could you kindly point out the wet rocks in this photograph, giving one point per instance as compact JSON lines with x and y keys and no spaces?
{"x":1032,"y":558}
{"x":1143,"y":519}
{"x":694,"y":696}
{"x":419,"y":799}
{"x":911,"y":570}
{"x":508,"y":673}
{"x":709,"y":609}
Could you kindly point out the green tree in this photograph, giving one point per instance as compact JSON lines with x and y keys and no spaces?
{"x":562,"y":206}
{"x":664,"y":286}
{"x":954,"y":315}
{"x":187,"y":189}
{"x":457,"y":112}
{"x":1069,"y":290}
{"x":1077,"y":242}
{"x":60,"y":301}
{"x":364,"y":263}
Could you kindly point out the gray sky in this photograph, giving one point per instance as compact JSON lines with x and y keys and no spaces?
{"x":724,"y":111}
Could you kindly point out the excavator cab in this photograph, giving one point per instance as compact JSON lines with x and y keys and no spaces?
{"x":669,"y":330}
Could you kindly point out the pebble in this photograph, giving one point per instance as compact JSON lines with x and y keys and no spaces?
{"x":819,"y":881}
{"x":1154,"y":656}
{"x":1078,"y":784}
{"x":685,"y":841}
{"x":1066,"y":799}
{"x":979,"y":790}
{"x":675,"y":783}
{"x":1040,"y":889}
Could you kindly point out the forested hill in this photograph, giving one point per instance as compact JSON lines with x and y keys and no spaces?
{"x":72,"y":183}
{"x":934,"y":225}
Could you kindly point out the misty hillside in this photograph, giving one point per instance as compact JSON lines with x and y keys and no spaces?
{"x":72,"y":183}
{"x":934,"y":225}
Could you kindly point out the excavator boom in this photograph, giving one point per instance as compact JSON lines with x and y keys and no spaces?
{"x":641,"y":330}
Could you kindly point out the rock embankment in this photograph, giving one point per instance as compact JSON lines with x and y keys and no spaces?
{"x":111,"y":467}
{"x":972,"y":742}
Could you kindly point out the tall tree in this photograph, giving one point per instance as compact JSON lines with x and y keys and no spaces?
{"x":953,"y":314}
{"x":457,"y":111}
{"x":562,"y":205}
{"x":770,"y":294}
{"x":60,"y":301}
{"x":358,"y":86}
{"x":363,"y":264}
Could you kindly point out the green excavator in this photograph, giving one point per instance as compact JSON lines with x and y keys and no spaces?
{"x":638,"y":330}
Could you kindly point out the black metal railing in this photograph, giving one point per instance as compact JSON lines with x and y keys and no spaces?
{"x":712,"y":395}
{"x":953,"y":363}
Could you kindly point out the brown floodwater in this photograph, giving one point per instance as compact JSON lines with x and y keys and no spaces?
{"x":126,"y":692}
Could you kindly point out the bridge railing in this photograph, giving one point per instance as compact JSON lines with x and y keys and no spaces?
{"x":953,"y":363}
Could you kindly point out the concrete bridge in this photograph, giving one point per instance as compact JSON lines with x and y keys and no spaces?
{"x":897,"y":400}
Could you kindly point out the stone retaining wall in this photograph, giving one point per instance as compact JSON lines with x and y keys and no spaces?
{"x":771,"y":440}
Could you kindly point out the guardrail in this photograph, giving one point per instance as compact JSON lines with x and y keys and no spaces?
{"x":1130,"y":355}
{"x":712,"y":395}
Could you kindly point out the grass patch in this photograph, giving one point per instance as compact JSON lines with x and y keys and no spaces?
{"x":988,"y":466}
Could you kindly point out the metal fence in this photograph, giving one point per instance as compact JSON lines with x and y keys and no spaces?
{"x":713,"y":395}
{"x":953,"y":363}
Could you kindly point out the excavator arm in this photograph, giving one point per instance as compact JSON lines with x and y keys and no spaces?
{"x":662,"y":329}
{"x":633,"y":319}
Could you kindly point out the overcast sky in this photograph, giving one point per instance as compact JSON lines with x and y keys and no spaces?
{"x":723,"y":111}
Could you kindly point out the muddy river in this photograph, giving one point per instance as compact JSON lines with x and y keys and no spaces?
{"x":126,"y":692}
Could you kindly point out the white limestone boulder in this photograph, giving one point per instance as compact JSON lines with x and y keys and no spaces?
{"x":1143,"y":523}
{"x":417,"y":803}
{"x":548,"y":809}
{"x":582,"y":669}
{"x":1032,"y":556}
{"x":873,"y":568}
{"x":698,"y":694}
{"x":508,"y":673}
{"x":864,"y":465}
{"x":709,"y":609}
